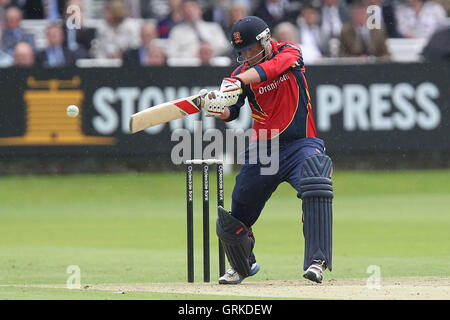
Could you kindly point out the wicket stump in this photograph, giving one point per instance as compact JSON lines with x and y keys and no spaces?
{"x":190,"y":215}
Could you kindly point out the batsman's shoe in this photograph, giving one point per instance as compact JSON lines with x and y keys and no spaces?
{"x":315,"y":271}
{"x":233,"y":277}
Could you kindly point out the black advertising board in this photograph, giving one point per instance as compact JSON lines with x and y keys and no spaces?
{"x":382,"y":107}
{"x":357,"y":108}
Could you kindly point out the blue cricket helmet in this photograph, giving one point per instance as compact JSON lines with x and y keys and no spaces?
{"x":247,"y":32}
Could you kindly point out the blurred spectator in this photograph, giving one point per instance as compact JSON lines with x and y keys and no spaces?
{"x":174,"y":17}
{"x":3,"y":5}
{"x":185,"y":38}
{"x":313,"y":44}
{"x":12,"y":33}
{"x":140,"y":56}
{"x":154,"y":9}
{"x":145,"y":9}
{"x":419,"y":18}
{"x":446,"y":5}
{"x":55,"y":55}
{"x":78,"y":39}
{"x":236,"y":12}
{"x":117,"y":33}
{"x":438,"y":48}
{"x":156,"y":56}
{"x":206,"y":57}
{"x":387,"y":16}
{"x":133,"y":8}
{"x":285,"y":32}
{"x":294,"y":6}
{"x":139,"y":9}
{"x":42,"y":9}
{"x":5,"y":60}
{"x":357,"y":40}
{"x":217,"y":11}
{"x":272,"y":12}
{"x":205,"y":53}
{"x":23,"y":55}
{"x":334,"y":14}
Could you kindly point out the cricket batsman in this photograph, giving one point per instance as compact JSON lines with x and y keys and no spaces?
{"x":272,"y":77}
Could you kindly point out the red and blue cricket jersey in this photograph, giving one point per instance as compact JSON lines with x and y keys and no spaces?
{"x":281,"y":100}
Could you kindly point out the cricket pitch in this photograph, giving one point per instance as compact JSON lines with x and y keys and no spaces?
{"x":403,"y":288}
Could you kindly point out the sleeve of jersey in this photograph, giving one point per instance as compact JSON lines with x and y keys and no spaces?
{"x":271,"y":69}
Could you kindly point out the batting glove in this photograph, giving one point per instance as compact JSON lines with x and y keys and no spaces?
{"x":231,"y":89}
{"x":214,"y":106}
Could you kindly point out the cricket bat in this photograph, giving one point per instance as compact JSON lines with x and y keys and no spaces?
{"x":166,"y":112}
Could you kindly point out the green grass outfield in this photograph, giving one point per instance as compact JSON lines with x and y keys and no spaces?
{"x":131,"y":228}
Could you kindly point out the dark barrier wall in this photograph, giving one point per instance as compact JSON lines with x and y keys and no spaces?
{"x":368,"y":108}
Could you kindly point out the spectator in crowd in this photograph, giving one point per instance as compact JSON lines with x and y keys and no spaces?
{"x":78,"y":39}
{"x":205,"y":53}
{"x":3,"y":5}
{"x":294,"y":6}
{"x":387,"y":16}
{"x":185,"y":38}
{"x":313,"y":44}
{"x":446,"y":5}
{"x":12,"y":33}
{"x":23,"y":55}
{"x":285,"y":32}
{"x":140,"y":56}
{"x":419,"y":18}
{"x":153,"y":9}
{"x":156,"y":56}
{"x":272,"y":12}
{"x":438,"y":48}
{"x":117,"y":33}
{"x":134,"y":8}
{"x":206,"y":57}
{"x":42,"y":9}
{"x":217,"y":12}
{"x":5,"y":60}
{"x":236,"y":12}
{"x":334,"y":14}
{"x":146,"y":9}
{"x":357,"y":40}
{"x":55,"y":55}
{"x":174,"y":17}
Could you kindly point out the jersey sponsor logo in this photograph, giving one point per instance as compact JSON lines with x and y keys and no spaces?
{"x":273,"y":85}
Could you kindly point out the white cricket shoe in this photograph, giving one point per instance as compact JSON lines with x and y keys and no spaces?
{"x":233,"y":277}
{"x":315,"y":271}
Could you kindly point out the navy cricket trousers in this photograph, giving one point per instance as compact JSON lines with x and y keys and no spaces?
{"x":252,"y":190}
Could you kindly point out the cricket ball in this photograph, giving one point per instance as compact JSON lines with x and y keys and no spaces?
{"x":72,"y":111}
